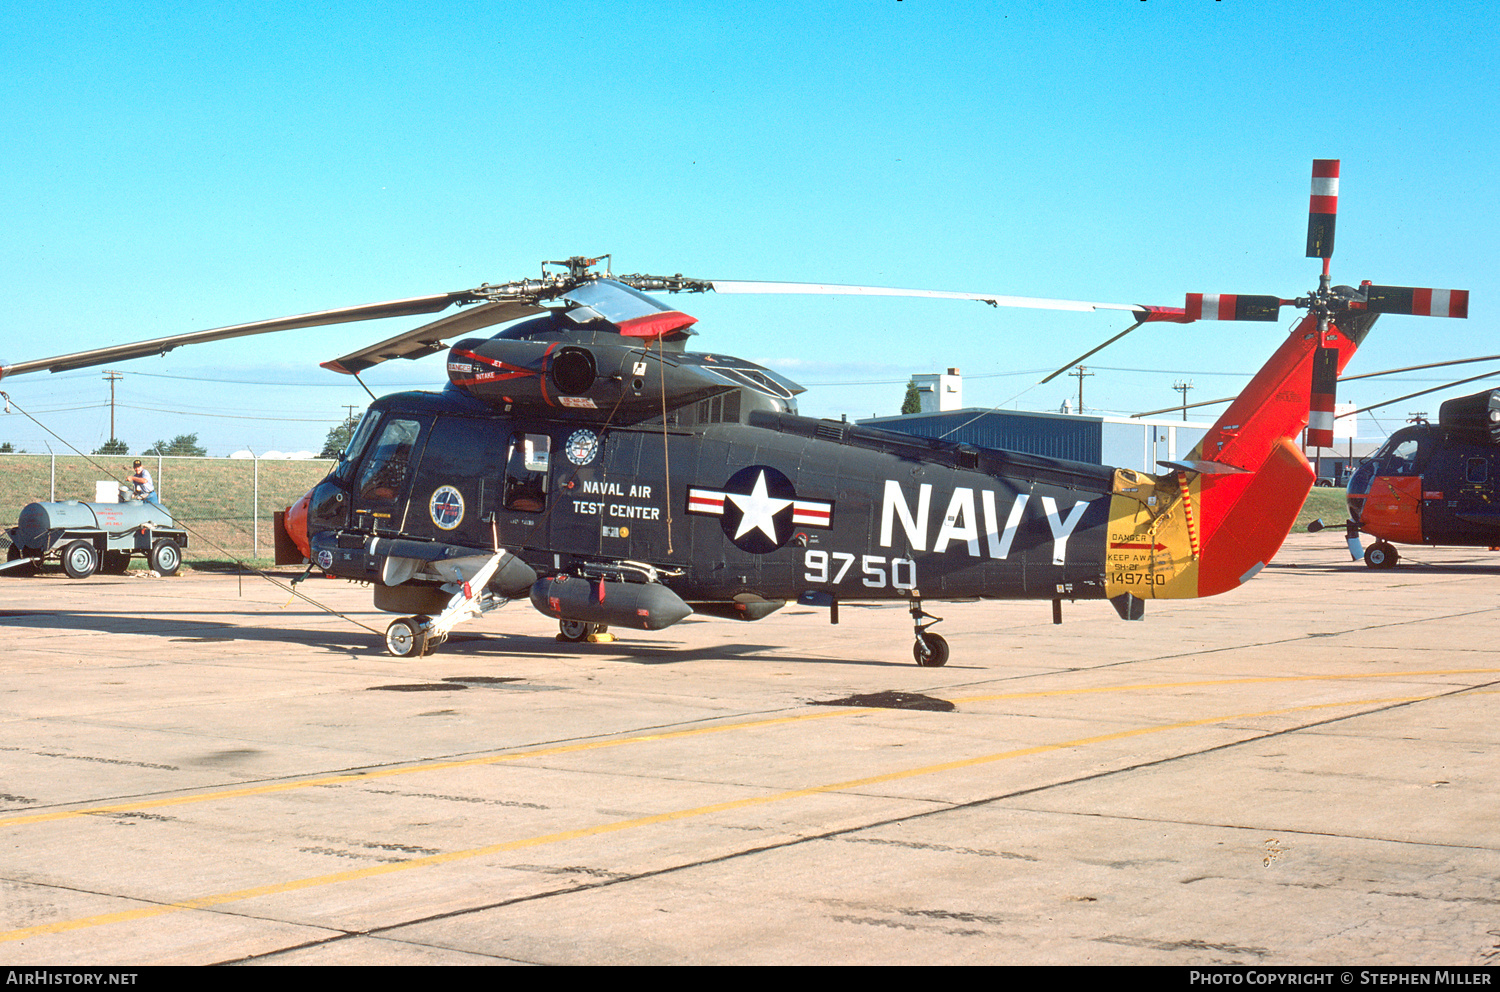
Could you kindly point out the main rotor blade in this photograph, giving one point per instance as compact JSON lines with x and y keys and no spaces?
{"x":160,"y":346}
{"x":1032,"y":302}
{"x":1180,"y":406}
{"x":1418,"y":368}
{"x":1424,"y":392}
{"x":429,"y":338}
{"x":1091,"y":351}
{"x":1352,"y":378}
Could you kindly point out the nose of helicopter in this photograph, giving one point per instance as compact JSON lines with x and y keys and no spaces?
{"x":294,"y":523}
{"x":1358,"y":488}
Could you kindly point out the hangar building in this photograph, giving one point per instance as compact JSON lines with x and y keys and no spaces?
{"x":1127,"y":442}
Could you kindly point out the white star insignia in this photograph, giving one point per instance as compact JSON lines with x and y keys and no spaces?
{"x":758,"y":510}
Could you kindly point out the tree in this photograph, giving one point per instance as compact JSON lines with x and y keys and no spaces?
{"x":7,"y":448}
{"x":913,"y":401}
{"x":182,"y":444}
{"x":114,"y":446}
{"x":338,"y":437}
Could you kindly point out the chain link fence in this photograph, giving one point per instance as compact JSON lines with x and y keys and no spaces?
{"x":226,"y":504}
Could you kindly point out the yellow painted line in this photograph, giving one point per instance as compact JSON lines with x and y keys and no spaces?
{"x":276,"y":888}
{"x":372,"y":775}
{"x":1248,"y":680}
{"x":367,"y":776}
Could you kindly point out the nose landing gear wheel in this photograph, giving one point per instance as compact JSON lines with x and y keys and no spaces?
{"x":404,"y":639}
{"x":1381,"y":555}
{"x":931,"y":650}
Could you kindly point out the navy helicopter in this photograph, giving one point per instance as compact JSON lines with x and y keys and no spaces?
{"x":583,"y":458}
{"x":1431,"y":484}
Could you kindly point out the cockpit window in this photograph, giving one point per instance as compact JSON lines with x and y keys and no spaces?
{"x":1402,"y":459}
{"x":357,"y":443}
{"x":384,"y":475}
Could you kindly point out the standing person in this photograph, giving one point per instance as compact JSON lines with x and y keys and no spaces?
{"x":145,"y":489}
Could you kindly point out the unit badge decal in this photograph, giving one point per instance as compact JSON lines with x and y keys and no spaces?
{"x":446,"y":507}
{"x":759,"y":509}
{"x":582,"y":446}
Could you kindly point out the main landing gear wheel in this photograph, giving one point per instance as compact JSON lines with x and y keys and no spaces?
{"x":165,"y":557}
{"x":930,"y":650}
{"x":404,"y":638}
{"x":578,"y":631}
{"x":1381,"y":555}
{"x":80,"y":560}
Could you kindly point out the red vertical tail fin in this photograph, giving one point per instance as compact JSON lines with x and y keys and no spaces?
{"x":1224,"y":514}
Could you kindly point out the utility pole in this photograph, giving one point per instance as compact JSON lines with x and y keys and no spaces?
{"x":1080,"y":374}
{"x":112,"y":377}
{"x":1183,"y":387}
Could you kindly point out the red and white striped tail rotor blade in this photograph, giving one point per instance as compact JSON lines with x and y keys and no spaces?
{"x":1325,"y":377}
{"x":1206,"y":306}
{"x":1417,"y":301}
{"x":1323,"y":207}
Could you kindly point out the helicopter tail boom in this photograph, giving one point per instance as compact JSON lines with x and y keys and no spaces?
{"x":1214,"y":522}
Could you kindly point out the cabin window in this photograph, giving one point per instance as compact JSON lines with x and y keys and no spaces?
{"x":385,"y":471}
{"x":526,"y":473}
{"x":1477,"y":469}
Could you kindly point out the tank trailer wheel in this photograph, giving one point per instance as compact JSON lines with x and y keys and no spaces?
{"x":1381,"y":555}
{"x":930,"y":650}
{"x":115,"y":563}
{"x":80,"y":560}
{"x":165,"y":557}
{"x":404,"y":639}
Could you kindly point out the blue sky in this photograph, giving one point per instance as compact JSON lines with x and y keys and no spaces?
{"x":196,"y":165}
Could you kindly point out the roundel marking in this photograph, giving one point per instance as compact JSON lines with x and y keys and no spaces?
{"x":446,"y":507}
{"x":758,"y":509}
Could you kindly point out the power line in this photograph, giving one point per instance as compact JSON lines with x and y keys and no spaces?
{"x":233,"y":416}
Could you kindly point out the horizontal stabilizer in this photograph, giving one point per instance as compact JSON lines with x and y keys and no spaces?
{"x":1205,"y":467}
